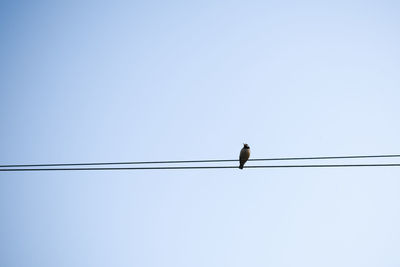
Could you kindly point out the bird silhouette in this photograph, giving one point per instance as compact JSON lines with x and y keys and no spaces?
{"x":244,"y":155}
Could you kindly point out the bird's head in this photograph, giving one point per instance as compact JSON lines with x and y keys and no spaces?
{"x":246,"y":146}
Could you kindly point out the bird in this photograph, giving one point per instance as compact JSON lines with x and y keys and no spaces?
{"x":244,"y":155}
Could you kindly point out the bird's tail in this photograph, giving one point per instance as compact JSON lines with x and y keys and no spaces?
{"x":241,"y":166}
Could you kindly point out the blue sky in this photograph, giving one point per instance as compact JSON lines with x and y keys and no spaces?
{"x":124,"y":81}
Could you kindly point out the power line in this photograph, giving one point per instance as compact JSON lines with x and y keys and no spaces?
{"x":204,"y":167}
{"x":197,"y":161}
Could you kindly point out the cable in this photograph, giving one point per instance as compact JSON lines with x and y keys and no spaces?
{"x":204,"y":167}
{"x":195,"y":161}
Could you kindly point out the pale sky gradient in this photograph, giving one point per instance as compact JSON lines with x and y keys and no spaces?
{"x":178,"y":80}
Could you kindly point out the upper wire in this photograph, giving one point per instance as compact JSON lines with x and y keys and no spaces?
{"x":197,"y":161}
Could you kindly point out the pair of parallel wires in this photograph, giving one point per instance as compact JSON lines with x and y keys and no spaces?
{"x":193,"y":164}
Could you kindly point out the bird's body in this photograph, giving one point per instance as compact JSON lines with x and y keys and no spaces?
{"x":244,"y":155}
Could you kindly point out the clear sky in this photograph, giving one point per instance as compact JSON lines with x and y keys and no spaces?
{"x":177,"y":80}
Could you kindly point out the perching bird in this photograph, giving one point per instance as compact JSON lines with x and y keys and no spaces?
{"x":244,"y":155}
